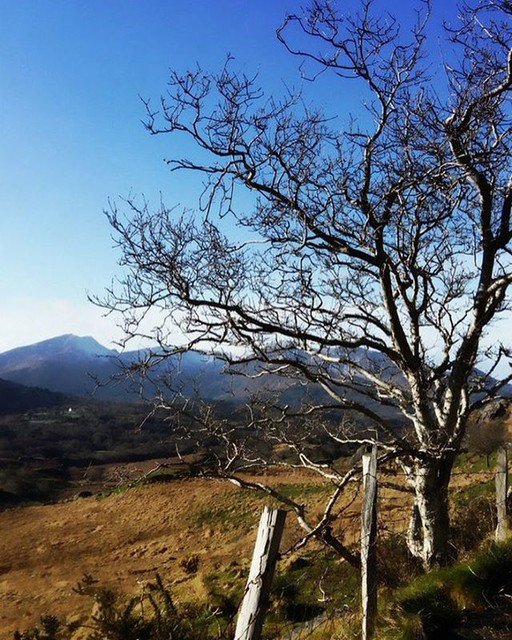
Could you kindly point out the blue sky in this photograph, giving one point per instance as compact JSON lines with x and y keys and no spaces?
{"x":70,"y":75}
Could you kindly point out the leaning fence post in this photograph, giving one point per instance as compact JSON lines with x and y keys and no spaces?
{"x":254,"y":604}
{"x":369,"y":544}
{"x":501,"y":494}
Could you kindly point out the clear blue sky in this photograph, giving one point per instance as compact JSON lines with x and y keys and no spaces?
{"x":70,"y":74}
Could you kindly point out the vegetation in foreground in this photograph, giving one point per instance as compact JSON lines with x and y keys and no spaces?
{"x":150,"y":615}
{"x":315,"y":595}
{"x":471,"y":599}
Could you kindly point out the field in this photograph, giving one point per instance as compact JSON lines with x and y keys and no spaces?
{"x":127,"y":537}
{"x":121,"y":540}
{"x":196,"y":533}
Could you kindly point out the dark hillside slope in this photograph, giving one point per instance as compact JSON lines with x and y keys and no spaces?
{"x":17,"y":398}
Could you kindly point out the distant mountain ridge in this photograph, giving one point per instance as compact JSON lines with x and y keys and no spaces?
{"x":60,"y":346}
{"x":59,"y":364}
{"x":80,"y":365}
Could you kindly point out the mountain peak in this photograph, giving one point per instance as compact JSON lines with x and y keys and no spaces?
{"x":59,"y":363}
{"x":67,"y":344}
{"x":72,"y":343}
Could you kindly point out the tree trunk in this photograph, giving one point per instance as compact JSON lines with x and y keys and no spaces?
{"x":428,"y":532}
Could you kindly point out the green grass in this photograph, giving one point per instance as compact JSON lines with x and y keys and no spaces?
{"x":225,"y":516}
{"x":299,"y":491}
{"x":244,"y":507}
{"x":225,"y":587}
{"x":313,"y":583}
{"x":473,"y":491}
{"x":436,"y":604}
{"x":475,"y":462}
{"x":230,"y":512}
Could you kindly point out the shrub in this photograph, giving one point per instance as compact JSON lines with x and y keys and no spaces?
{"x":150,"y":615}
{"x":428,"y":605}
{"x":49,"y":628}
{"x":487,"y":579}
{"x":396,"y":566}
{"x":474,"y":520}
{"x":313,"y":584}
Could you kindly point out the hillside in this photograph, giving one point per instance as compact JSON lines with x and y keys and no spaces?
{"x":18,"y":398}
{"x":81,"y":366}
{"x":122,"y":540}
{"x":198,"y":535}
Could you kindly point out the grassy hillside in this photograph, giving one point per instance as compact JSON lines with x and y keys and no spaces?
{"x":198,"y":535}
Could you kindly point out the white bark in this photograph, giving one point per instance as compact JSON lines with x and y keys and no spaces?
{"x":427,"y":537}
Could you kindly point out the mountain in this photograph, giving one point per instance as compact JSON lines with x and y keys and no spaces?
{"x":17,"y":398}
{"x":79,"y":365}
{"x":60,"y":364}
{"x":75,"y":365}
{"x":63,"y":347}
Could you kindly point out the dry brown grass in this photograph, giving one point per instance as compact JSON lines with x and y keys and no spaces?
{"x":123,"y":539}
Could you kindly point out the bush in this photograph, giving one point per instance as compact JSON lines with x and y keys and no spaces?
{"x":396,"y":566}
{"x":488,"y":579}
{"x":428,"y":603}
{"x":190,"y":564}
{"x":313,"y":584}
{"x":50,"y":629}
{"x":150,"y":615}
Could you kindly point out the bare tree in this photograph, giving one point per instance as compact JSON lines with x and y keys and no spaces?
{"x":373,"y":260}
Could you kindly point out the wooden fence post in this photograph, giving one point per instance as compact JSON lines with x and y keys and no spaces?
{"x":369,"y":544}
{"x":502,"y":528}
{"x":252,"y":611}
